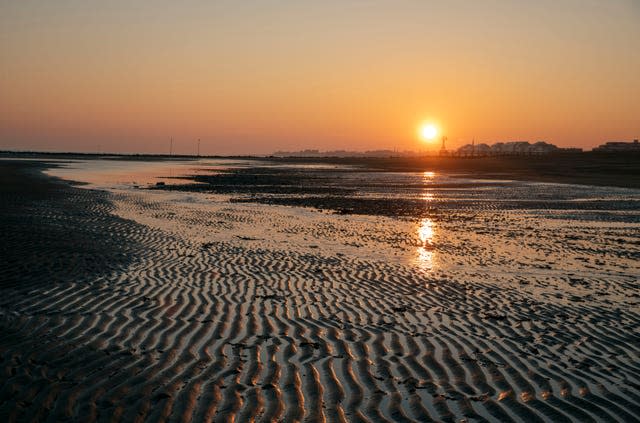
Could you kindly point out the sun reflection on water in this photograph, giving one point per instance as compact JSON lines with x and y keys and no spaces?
{"x":428,"y":175}
{"x":427,"y":178}
{"x":425,"y":252}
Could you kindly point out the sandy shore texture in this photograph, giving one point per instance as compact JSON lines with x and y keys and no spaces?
{"x":160,"y":306}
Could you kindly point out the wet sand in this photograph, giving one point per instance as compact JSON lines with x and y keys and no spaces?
{"x":126,"y":304}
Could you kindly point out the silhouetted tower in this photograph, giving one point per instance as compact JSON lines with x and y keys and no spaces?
{"x":443,"y":150}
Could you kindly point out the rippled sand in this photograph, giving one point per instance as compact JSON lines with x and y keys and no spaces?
{"x":247,"y":311}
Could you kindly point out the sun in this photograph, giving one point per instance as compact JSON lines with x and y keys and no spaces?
{"x":428,"y":131}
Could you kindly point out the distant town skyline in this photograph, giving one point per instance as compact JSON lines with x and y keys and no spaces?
{"x":254,"y":78}
{"x":479,"y":149}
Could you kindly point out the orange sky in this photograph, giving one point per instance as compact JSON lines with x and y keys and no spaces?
{"x":284,"y":75}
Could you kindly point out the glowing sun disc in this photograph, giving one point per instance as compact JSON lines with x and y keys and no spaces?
{"x":428,"y":132}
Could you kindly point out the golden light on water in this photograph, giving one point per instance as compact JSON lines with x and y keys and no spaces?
{"x":425,"y":252}
{"x":427,"y":178}
{"x":425,"y":231}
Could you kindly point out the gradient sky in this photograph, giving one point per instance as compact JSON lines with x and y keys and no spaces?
{"x":259,"y":76}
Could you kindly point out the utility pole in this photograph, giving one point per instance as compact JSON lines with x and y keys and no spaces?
{"x":171,"y":147}
{"x":198,"y":147}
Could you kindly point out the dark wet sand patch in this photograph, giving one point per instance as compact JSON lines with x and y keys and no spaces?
{"x":353,"y":190}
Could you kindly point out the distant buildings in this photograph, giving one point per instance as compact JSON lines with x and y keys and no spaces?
{"x":619,"y":146}
{"x":512,"y":148}
{"x":507,"y":148}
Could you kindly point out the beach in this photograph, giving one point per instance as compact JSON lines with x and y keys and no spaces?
{"x":267,"y":290}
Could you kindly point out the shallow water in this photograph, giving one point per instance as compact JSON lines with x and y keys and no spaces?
{"x":120,"y":174}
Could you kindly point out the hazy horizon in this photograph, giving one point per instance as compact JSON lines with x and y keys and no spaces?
{"x":279,"y":75}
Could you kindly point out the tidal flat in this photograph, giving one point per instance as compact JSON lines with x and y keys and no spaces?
{"x":242,"y":290}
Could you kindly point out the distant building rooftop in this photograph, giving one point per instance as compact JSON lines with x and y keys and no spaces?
{"x":613,"y":146}
{"x":508,"y":148}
